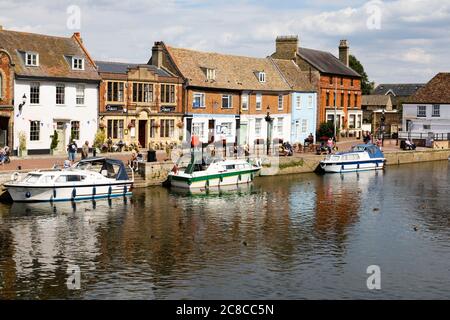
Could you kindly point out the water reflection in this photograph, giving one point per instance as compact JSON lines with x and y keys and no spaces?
{"x":280,"y":237}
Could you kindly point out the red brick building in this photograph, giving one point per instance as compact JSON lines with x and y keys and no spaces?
{"x":6,"y":99}
{"x":339,"y":87}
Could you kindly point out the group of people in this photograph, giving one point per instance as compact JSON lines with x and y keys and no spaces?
{"x":72,"y":150}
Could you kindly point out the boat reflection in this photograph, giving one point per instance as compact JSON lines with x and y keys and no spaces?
{"x":240,"y":189}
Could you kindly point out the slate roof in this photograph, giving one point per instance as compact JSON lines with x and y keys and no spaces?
{"x":297,"y":79}
{"x":325,"y":62}
{"x":53,"y":55}
{"x":436,"y":91}
{"x":399,"y":90}
{"x":122,"y":68}
{"x":375,"y":100}
{"x":232,"y":72}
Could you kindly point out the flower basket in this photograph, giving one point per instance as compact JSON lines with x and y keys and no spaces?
{"x":180,"y":124}
{"x":131,"y":125}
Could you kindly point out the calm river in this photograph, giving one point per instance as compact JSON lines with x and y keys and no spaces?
{"x":294,"y":237}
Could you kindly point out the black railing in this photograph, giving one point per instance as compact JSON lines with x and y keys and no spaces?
{"x":424,"y":136}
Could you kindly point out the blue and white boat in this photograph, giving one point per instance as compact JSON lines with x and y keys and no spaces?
{"x":362,"y":157}
{"x":88,"y":179}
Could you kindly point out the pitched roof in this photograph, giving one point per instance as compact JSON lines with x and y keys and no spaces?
{"x":297,"y":79}
{"x":435,"y":91}
{"x":122,"y":68}
{"x":375,"y":100}
{"x":399,"y":90}
{"x":232,"y":72}
{"x":53,"y":55}
{"x":325,"y":62}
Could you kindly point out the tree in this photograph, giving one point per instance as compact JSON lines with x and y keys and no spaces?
{"x":366,"y":85}
{"x":55,"y":140}
{"x":326,"y":129}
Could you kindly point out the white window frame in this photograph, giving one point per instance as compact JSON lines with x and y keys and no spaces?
{"x":280,"y":123}
{"x":436,"y":111}
{"x":280,"y":102}
{"x":38,"y":86}
{"x":200,"y":128}
{"x":211,"y":74}
{"x":77,"y":63}
{"x":36,"y":132}
{"x":421,"y":111}
{"x":202,"y":97}
{"x":298,"y":103}
{"x":34,"y":59}
{"x":80,"y":95}
{"x":229,"y":98}
{"x":258,"y":127}
{"x":244,"y":101}
{"x":259,"y":101}
{"x":63,"y":94}
{"x":228,"y":126}
{"x":262,"y":77}
{"x":304,"y":125}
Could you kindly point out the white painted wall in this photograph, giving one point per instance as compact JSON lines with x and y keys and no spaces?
{"x":47,"y":112}
{"x":438,"y":124}
{"x":251,"y":132}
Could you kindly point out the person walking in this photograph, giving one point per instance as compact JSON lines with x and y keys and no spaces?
{"x":85,"y":150}
{"x":72,"y":151}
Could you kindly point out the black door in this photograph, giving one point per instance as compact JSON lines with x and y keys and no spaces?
{"x":143,"y":133}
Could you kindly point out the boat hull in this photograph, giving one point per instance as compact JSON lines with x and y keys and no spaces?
{"x":21,"y":193}
{"x":211,"y":181}
{"x":341,"y":167}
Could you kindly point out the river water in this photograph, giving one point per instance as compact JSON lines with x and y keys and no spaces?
{"x":292,"y":237}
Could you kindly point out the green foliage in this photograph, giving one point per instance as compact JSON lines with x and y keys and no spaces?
{"x":100,"y":138}
{"x":366,"y":85}
{"x":22,"y":141}
{"x":55,"y":140}
{"x":326,"y":129}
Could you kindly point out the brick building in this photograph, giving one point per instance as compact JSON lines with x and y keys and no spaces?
{"x":6,"y":99}
{"x":227,"y":97}
{"x":339,"y":85}
{"x":140,"y":103}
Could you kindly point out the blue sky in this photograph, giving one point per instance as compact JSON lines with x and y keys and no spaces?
{"x":406,"y":41}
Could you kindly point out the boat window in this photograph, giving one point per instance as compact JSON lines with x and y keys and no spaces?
{"x":47,"y":179}
{"x":32,"y":178}
{"x":335,"y":158}
{"x":70,"y":178}
{"x":230,"y":167}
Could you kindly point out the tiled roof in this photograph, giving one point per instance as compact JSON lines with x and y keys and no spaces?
{"x":375,"y":100}
{"x":435,"y":91}
{"x":297,"y":79}
{"x":122,"y":68}
{"x":232,"y":72}
{"x":53,"y":55}
{"x":399,"y":90}
{"x":325,"y":62}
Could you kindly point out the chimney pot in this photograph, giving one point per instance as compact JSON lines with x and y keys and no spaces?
{"x":344,"y":52}
{"x":157,"y":54}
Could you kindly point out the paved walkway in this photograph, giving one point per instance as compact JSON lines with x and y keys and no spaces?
{"x":47,"y":161}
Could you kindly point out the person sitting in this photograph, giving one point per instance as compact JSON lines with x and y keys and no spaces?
{"x":2,"y":156}
{"x":409,"y":145}
{"x":133,"y":162}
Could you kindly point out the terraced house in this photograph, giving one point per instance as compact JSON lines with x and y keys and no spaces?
{"x":339,"y":87}
{"x":140,"y":103}
{"x":49,"y":84}
{"x":228,"y":97}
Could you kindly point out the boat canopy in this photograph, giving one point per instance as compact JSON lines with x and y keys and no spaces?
{"x":372,"y":150}
{"x":114,"y":168}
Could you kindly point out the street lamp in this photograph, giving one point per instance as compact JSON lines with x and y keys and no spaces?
{"x":24,"y":100}
{"x":269,"y":121}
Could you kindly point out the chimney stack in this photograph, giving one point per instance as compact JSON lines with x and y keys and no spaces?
{"x":78,"y":36}
{"x":157,"y":54}
{"x":286,"y":47}
{"x":344,"y":52}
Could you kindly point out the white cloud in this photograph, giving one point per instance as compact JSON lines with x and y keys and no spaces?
{"x":417,"y":55}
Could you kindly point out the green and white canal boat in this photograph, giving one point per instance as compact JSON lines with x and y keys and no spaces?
{"x":216,"y":174}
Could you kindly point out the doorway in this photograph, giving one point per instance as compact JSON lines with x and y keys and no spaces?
{"x":143,"y":133}
{"x":4,"y":123}
{"x":61,"y":130}
{"x":211,"y":128}
{"x":243,"y":131}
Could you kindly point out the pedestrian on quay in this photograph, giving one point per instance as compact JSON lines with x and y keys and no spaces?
{"x":72,"y":150}
{"x":85,"y":150}
{"x":330,"y":145}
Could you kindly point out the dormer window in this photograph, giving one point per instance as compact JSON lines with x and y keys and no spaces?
{"x":31,"y":59}
{"x":211,"y":74}
{"x":262,"y":76}
{"x":77,"y":63}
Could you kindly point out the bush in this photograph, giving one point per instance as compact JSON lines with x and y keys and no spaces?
{"x":22,"y":141}
{"x":326,"y":129}
{"x":55,"y":140}
{"x":99,"y":139}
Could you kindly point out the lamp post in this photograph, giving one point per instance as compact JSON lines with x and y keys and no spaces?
{"x":24,"y":101}
{"x":269,"y":120}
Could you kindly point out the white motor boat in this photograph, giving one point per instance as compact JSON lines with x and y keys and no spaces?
{"x":91,"y":178}
{"x":218,"y":173}
{"x":361,"y":158}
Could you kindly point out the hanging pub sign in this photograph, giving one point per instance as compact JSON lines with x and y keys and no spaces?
{"x":167,"y":108}
{"x":113,"y":108}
